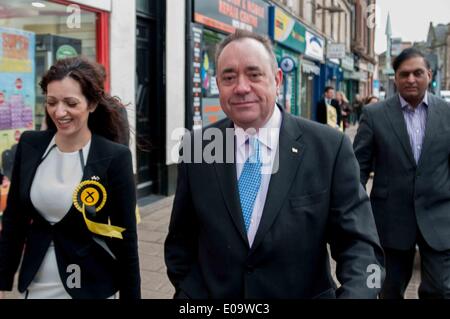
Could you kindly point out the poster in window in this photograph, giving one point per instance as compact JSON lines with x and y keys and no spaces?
{"x":17,"y":90}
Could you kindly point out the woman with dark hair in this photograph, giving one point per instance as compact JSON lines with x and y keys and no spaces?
{"x":72,"y":197}
{"x":345,"y":109}
{"x":372,"y":99}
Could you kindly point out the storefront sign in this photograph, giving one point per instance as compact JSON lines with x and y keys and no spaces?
{"x":336,"y":50}
{"x":310,"y":67}
{"x":66,"y":51}
{"x":287,"y":31}
{"x":228,"y":15}
{"x":197,"y":36}
{"x":287,"y":64}
{"x":314,"y":46}
{"x":334,"y":61}
{"x":348,"y":63}
{"x":355,"y":75}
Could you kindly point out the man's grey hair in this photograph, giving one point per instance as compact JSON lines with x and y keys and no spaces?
{"x":240,"y":34}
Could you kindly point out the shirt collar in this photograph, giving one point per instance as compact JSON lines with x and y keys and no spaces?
{"x":267,"y":137}
{"x":406,"y":105}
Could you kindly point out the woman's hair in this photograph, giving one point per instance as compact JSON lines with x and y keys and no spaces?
{"x":344,"y":98}
{"x":109,"y":118}
{"x":370,"y":98}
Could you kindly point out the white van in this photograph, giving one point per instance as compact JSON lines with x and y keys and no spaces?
{"x":445,"y":95}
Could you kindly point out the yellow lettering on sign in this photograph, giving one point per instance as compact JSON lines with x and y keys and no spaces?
{"x":13,"y":66}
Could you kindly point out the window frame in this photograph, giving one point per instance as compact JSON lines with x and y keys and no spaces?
{"x":101,"y":35}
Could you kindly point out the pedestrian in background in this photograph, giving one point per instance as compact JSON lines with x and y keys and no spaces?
{"x":72,"y":197}
{"x":357,"y":106}
{"x":345,"y":109}
{"x":407,"y":139}
{"x":329,"y":105}
{"x":371,"y":99}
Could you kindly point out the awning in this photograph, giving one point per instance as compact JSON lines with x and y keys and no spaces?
{"x":355,"y":75}
{"x":310,"y":67}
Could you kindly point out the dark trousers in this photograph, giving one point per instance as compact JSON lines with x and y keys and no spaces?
{"x":434,"y":269}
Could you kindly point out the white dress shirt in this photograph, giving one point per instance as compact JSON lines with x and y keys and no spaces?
{"x":416,"y":121}
{"x":268,"y":137}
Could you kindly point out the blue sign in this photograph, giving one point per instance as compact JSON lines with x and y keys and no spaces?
{"x":287,"y":64}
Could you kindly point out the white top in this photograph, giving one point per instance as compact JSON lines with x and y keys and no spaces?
{"x":51,"y":195}
{"x":268,"y":137}
{"x":56,"y":178}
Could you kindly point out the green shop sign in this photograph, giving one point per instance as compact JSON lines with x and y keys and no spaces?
{"x":66,"y":51}
{"x":287,"y":31}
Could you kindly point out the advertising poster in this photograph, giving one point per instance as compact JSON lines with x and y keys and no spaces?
{"x":17,"y":92}
{"x":288,"y":31}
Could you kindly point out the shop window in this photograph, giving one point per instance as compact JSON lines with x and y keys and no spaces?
{"x":306,"y":95}
{"x":211,"y":110}
{"x":33,"y":35}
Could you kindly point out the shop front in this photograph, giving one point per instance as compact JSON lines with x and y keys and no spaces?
{"x":313,"y":59}
{"x":349,"y":85}
{"x":212,"y":21}
{"x":310,"y":72}
{"x":365,"y":86}
{"x":370,"y":76}
{"x":331,"y":74}
{"x":290,"y":43}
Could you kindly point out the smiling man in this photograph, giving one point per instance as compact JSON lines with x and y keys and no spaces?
{"x":407,"y":140}
{"x":249,"y":229}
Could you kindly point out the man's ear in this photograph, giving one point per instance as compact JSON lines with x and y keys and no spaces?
{"x":430,"y":74}
{"x":278,"y":78}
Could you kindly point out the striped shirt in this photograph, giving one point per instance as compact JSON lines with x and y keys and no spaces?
{"x":415,"y":119}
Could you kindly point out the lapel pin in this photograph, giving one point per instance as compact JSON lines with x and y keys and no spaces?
{"x":294,"y":150}
{"x":95,"y":178}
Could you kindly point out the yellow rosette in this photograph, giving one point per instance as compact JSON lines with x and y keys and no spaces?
{"x":92,"y":195}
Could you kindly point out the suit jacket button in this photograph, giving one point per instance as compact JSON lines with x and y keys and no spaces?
{"x":249,"y":269}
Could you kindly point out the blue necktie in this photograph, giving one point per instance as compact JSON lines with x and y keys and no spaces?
{"x":249,"y":182}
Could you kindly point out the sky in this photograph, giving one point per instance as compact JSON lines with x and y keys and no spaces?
{"x":410,"y":19}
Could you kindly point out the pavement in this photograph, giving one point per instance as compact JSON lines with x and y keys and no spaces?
{"x":152,"y":232}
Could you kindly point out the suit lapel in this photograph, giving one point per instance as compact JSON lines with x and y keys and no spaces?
{"x":94,"y":166}
{"x":31,"y":158}
{"x":433,"y":118}
{"x":226,"y":175}
{"x":93,"y":157}
{"x":395,"y":116}
{"x":290,"y":155}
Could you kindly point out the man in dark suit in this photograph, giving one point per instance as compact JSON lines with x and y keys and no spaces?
{"x":407,"y":137}
{"x":255,"y":222}
{"x":328,"y":99}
